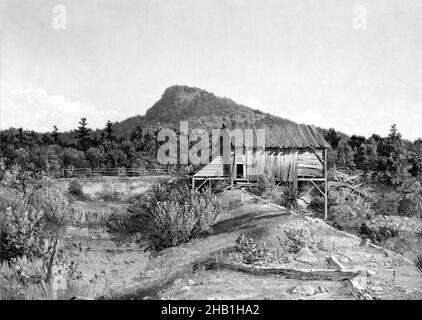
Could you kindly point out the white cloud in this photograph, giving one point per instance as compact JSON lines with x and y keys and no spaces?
{"x":34,"y":109}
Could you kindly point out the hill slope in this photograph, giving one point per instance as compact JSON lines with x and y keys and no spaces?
{"x":201,"y":108}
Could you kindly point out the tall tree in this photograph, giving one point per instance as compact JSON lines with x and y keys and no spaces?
{"x":55,"y":135}
{"x":109,"y":130}
{"x":83,"y":134}
{"x":332,"y":138}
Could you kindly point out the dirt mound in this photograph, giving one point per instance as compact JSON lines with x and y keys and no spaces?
{"x":179,"y":272}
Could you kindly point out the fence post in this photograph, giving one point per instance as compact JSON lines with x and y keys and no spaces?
{"x":90,"y":172}
{"x":62,"y":172}
{"x":118,"y":171}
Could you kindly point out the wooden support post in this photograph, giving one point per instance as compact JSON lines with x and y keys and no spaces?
{"x":325,"y":185}
{"x":295,"y":182}
{"x":193,"y":183}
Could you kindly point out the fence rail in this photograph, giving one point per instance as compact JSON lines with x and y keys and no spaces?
{"x":116,"y":172}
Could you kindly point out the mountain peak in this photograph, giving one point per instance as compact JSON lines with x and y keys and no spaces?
{"x":181,"y":102}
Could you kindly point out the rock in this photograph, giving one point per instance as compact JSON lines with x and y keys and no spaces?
{"x":345,"y":259}
{"x":306,"y":255}
{"x":365,"y":242}
{"x":304,"y":290}
{"x":370,"y":273}
{"x":185,"y":288}
{"x":191,"y":282}
{"x":304,"y":201}
{"x":322,"y":289}
{"x":147,"y":298}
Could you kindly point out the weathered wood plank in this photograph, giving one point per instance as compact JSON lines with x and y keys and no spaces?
{"x":290,"y":273}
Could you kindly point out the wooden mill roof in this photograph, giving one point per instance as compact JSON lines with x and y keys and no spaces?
{"x":285,"y":135}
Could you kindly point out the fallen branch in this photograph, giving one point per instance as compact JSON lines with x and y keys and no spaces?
{"x":290,"y":273}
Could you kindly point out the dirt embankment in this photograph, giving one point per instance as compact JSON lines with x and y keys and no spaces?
{"x":179,"y":273}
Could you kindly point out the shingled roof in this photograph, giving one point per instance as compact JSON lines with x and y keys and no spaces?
{"x":285,"y":135}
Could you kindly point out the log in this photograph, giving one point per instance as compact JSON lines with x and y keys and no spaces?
{"x":289,"y":273}
{"x":334,"y":262}
{"x":355,"y":287}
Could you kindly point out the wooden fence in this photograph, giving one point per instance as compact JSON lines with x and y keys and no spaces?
{"x":116,"y":172}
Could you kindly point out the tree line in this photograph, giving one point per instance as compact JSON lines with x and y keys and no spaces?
{"x":388,"y":160}
{"x":80,"y":148}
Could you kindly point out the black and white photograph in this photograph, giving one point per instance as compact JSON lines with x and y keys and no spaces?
{"x":210,"y":155}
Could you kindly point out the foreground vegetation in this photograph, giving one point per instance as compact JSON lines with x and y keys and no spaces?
{"x":34,"y":216}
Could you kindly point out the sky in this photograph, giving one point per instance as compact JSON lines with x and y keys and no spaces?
{"x":348,"y":64}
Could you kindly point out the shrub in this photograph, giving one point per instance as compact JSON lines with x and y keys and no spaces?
{"x":22,"y":230}
{"x":110,"y":195}
{"x":53,"y":204}
{"x":298,"y":238}
{"x":418,"y":262}
{"x":10,"y":286}
{"x":288,"y":196}
{"x":378,"y":234}
{"x":249,"y":252}
{"x":388,"y":204}
{"x":75,"y":188}
{"x":28,"y":222}
{"x":169,"y":215}
{"x":262,"y":183}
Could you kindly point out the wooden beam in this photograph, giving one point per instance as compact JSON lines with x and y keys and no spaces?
{"x":311,"y":179}
{"x":197,"y":188}
{"x":323,"y":193}
{"x":319,"y":158}
{"x":290,"y":273}
{"x":325,"y":186}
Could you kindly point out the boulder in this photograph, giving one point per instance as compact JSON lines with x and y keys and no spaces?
{"x":304,"y":290}
{"x":306,"y":255}
{"x":304,"y":201}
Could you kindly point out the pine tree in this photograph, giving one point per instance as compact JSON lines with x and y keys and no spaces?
{"x":83,"y":134}
{"x":55,"y":135}
{"x":109,"y":130}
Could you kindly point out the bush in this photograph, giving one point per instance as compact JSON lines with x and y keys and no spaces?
{"x":170,"y":215}
{"x":22,"y":231}
{"x":388,"y":204}
{"x":29,"y":221}
{"x":288,"y":196}
{"x":378,"y":234}
{"x":298,"y":238}
{"x":75,"y":188}
{"x":249,"y":252}
{"x":110,"y":196}
{"x":418,"y":262}
{"x":53,"y":204}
